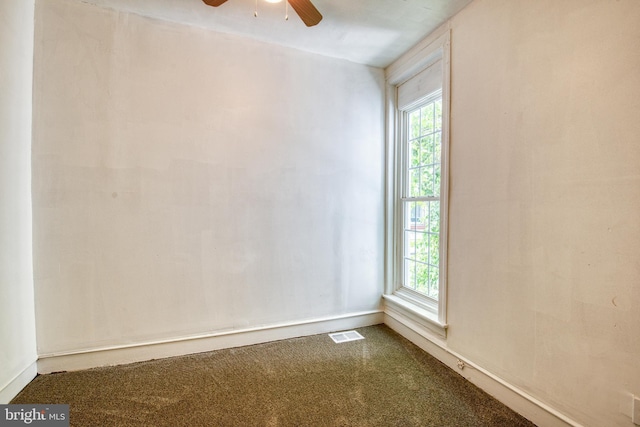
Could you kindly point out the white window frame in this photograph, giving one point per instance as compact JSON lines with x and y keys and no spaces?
{"x":400,"y":301}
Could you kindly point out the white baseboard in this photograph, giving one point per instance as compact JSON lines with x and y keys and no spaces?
{"x":180,"y":346}
{"x":519,"y":401}
{"x":13,"y":387}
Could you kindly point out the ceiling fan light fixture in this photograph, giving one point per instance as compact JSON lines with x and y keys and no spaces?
{"x":273,"y":1}
{"x":304,"y":8}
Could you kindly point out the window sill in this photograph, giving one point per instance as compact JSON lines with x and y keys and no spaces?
{"x":404,"y":310}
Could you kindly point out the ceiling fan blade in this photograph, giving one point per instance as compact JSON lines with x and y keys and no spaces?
{"x":307,"y":12}
{"x":214,"y":3}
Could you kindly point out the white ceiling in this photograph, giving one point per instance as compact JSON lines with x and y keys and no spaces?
{"x":372,"y":32}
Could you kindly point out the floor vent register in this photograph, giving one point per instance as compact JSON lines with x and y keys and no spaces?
{"x":340,"y":337}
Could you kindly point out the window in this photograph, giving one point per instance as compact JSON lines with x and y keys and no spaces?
{"x":417,"y":166}
{"x":420,"y":198}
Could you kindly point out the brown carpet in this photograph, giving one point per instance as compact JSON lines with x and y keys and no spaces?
{"x":383,"y":380}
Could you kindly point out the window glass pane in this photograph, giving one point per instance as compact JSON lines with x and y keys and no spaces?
{"x":426,"y":150}
{"x":426,"y":181}
{"x":414,"y":124}
{"x":422,"y":215}
{"x":434,"y":276}
{"x":410,"y":244}
{"x":410,"y":273}
{"x":427,"y":116}
{"x":406,"y":214}
{"x":434,"y":217}
{"x":409,"y":209}
{"x":414,"y":182}
{"x":437,"y":156}
{"x":421,"y":246}
{"x":422,"y":278}
{"x":414,"y":153}
{"x":436,"y":180}
{"x":434,"y":253}
{"x":438,"y":114}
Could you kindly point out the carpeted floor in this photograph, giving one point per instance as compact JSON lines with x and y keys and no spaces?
{"x":383,"y":380}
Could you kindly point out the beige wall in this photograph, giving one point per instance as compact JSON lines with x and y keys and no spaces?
{"x":544,"y":277}
{"x":17,"y":330}
{"x":160,"y":212}
{"x":188,"y":182}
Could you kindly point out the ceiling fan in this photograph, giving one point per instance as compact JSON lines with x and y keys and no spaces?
{"x":304,"y":8}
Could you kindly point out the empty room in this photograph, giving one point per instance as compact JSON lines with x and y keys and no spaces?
{"x":189,"y":184}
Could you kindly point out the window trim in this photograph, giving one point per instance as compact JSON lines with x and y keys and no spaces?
{"x":434,"y":48}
